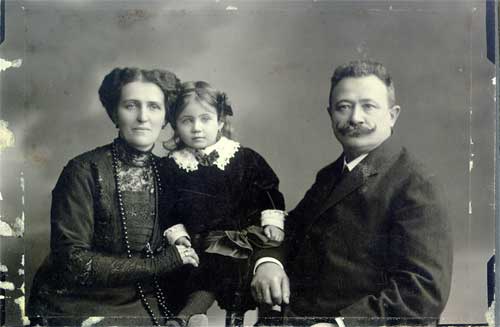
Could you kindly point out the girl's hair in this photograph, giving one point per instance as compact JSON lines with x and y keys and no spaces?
{"x":205,"y":94}
{"x":110,"y":90}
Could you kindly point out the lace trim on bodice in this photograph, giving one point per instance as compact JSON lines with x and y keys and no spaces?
{"x":226,"y":149}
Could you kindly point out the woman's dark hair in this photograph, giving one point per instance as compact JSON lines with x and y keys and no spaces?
{"x":203,"y":93}
{"x":112,"y":84}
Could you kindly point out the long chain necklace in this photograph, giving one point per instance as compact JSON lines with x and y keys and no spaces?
{"x":160,"y":295}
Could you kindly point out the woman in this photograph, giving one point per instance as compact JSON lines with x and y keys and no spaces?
{"x":107,"y":246}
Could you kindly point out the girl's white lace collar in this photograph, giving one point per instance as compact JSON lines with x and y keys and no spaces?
{"x":225,"y":147}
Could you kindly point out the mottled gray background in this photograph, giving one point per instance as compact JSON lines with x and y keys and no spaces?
{"x":274,"y":60}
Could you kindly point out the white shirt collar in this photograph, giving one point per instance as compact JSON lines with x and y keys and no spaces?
{"x":353,"y":163}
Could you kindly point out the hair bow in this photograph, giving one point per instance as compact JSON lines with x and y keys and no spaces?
{"x":224,"y":105}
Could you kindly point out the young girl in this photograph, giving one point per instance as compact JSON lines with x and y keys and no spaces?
{"x":227,"y":201}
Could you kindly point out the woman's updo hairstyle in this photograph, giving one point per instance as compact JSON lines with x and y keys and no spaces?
{"x":111,"y":88}
{"x":205,"y":94}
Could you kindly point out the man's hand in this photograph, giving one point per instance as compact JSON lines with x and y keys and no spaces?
{"x":270,"y":284}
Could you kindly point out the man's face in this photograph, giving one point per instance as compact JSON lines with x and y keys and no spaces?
{"x":361,"y":115}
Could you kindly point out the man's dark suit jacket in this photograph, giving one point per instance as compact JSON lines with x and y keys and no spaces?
{"x":374,"y":244}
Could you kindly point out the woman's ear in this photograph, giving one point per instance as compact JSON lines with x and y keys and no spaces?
{"x":114,"y":119}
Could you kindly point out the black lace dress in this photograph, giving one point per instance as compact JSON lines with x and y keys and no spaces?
{"x":100,"y":264}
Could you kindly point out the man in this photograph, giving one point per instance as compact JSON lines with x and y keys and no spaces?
{"x":370,"y":242}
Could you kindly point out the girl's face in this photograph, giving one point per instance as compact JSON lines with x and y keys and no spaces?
{"x":198,"y":125}
{"x":141,"y":114}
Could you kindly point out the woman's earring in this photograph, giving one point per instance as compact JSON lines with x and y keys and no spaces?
{"x":219,"y":134}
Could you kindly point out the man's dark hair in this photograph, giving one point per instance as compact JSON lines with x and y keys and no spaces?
{"x":362,"y":68}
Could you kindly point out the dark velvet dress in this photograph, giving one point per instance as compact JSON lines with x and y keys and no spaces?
{"x":219,"y":198}
{"x":87,"y":273}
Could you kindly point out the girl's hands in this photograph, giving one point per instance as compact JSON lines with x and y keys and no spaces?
{"x":274,"y":233}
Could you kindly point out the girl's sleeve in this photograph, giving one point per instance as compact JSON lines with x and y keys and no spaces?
{"x":172,"y":222}
{"x":265,"y":184}
{"x":72,"y":233}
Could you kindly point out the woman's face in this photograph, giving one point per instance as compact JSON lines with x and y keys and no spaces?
{"x":141,"y":114}
{"x":198,"y":125}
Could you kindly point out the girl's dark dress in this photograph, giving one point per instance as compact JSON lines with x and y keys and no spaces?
{"x":87,"y":273}
{"x":219,"y":196}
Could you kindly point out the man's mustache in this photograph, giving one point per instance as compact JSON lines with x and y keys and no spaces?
{"x":355,"y":130}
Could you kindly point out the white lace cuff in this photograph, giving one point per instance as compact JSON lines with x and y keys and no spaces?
{"x":175,"y":232}
{"x":273,"y":217}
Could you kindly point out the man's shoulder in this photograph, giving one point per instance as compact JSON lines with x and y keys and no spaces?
{"x":406,"y":171}
{"x":329,"y":169}
{"x":406,"y":162}
{"x":395,"y":158}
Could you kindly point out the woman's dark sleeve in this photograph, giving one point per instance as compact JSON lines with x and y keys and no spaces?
{"x":72,"y":234}
{"x":169,"y":198}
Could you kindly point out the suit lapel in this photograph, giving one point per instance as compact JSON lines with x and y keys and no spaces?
{"x":352,"y":181}
{"x":333,"y":191}
{"x":377,"y":161}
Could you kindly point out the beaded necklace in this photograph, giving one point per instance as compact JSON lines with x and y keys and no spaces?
{"x":160,"y":296}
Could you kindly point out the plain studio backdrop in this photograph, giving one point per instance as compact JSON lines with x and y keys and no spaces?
{"x":274,"y":60}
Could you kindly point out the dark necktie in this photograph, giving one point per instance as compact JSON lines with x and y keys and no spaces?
{"x":343,"y":172}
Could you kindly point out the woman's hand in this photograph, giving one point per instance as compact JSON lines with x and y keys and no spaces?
{"x":188,"y":255}
{"x":184,"y":240}
{"x":274,"y":233}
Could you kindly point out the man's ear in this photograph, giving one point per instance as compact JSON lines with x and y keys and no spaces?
{"x":394,"y":112}
{"x":329,"y":110}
